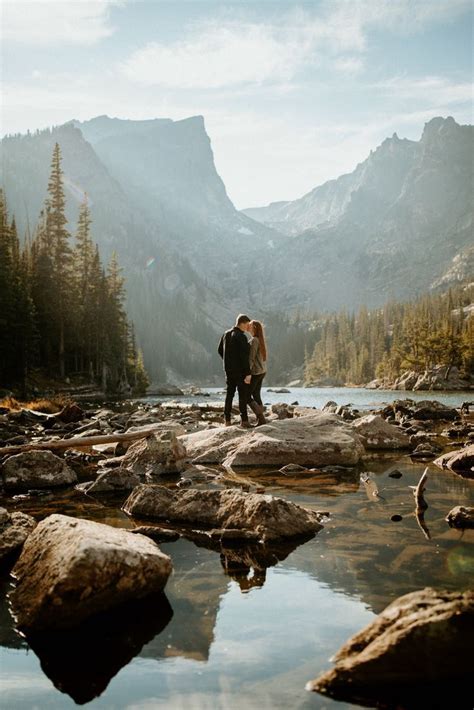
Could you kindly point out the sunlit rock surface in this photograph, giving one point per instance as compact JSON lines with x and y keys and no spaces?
{"x":460,"y":461}
{"x":316,"y":439}
{"x":36,"y":469}
{"x":272,"y":518}
{"x":14,"y":529}
{"x":71,"y":568}
{"x":419,"y":649}
{"x":376,"y":433}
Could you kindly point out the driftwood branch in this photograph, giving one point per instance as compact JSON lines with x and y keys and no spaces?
{"x":421,"y":504}
{"x":76,"y":442}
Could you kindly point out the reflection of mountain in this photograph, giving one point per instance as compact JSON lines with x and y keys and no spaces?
{"x":82,"y":661}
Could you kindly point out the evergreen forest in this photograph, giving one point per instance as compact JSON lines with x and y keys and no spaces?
{"x":62,"y":314}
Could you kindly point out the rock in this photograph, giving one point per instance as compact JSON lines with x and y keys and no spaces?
{"x":70,"y":569}
{"x":330,"y":407}
{"x":164,"y":391}
{"x":70,"y":413}
{"x":272,"y":518}
{"x":420,"y":411}
{"x":282,"y":410}
{"x":425,"y":451}
{"x":36,"y":469}
{"x":157,"y":534}
{"x":395,"y":474}
{"x":315,"y":439}
{"x":295,"y":383}
{"x":114,"y":479}
{"x":281,"y":390}
{"x":14,"y":529}
{"x":460,"y":461}
{"x":416,"y":653}
{"x":376,"y":433}
{"x":158,"y":454}
{"x":461,"y":517}
{"x":168,"y":425}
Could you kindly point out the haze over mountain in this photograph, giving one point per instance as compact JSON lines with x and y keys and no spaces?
{"x":391,"y":228}
{"x":399,"y":224}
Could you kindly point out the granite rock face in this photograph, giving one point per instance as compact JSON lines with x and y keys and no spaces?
{"x":418,"y":649}
{"x":36,"y":469}
{"x":460,"y":461}
{"x":272,"y":518}
{"x":70,"y":569}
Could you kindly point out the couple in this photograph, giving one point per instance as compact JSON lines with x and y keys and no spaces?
{"x":244,"y":353}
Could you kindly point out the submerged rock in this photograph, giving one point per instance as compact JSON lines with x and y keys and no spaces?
{"x":36,"y":469}
{"x":14,"y":529}
{"x":71,"y":568}
{"x":272,"y":518}
{"x":417,"y":652}
{"x":315,"y":439}
{"x":376,"y":433}
{"x":461,"y":517}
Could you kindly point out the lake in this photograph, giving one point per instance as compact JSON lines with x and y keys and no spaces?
{"x":246,"y":628}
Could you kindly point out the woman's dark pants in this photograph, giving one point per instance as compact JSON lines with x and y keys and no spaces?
{"x":256,"y":388}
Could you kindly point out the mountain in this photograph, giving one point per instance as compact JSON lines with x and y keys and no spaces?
{"x":391,"y":228}
{"x":398,"y":225}
{"x":157,"y":200}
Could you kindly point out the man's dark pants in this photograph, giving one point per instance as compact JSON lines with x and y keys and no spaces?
{"x":235,"y":381}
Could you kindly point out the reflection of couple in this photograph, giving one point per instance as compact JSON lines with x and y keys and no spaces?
{"x":244,"y":353}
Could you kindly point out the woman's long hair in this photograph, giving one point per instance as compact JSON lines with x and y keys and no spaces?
{"x":258,"y":327}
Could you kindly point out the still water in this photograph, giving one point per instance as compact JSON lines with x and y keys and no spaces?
{"x":246,"y":627}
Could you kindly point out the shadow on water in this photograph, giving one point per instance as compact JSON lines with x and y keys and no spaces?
{"x":82,"y":661}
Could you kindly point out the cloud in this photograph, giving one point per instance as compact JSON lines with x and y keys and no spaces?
{"x":55,"y":22}
{"x":225,"y":53}
{"x":433,"y":90}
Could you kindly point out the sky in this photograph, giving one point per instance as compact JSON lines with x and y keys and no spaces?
{"x":292,"y":93}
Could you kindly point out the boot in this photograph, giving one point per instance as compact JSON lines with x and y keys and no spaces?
{"x":245,"y":424}
{"x":260,"y":415}
{"x":254,"y":407}
{"x":227,"y":422}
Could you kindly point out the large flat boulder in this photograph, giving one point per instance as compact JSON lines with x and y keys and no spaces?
{"x":272,"y":518}
{"x":460,"y":461}
{"x":36,"y":469}
{"x":71,"y":568}
{"x":461,"y":517}
{"x":418,"y":650}
{"x":376,"y":433}
{"x":316,"y":439}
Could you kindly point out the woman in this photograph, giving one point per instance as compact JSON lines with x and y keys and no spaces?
{"x":258,"y":368}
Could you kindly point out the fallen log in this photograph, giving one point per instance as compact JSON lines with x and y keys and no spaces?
{"x":78,"y":442}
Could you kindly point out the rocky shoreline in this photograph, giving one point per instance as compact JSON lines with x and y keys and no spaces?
{"x":173,"y":469}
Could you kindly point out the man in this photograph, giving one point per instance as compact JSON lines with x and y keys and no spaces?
{"x":234,"y":349}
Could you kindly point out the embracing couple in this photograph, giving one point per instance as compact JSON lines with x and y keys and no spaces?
{"x":244,"y":353}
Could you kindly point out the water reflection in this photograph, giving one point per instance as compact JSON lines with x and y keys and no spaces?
{"x":82,"y":661}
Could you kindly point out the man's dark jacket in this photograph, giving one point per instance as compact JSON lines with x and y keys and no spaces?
{"x":234,"y":349}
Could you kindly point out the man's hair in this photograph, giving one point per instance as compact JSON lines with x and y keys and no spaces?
{"x":242,"y":318}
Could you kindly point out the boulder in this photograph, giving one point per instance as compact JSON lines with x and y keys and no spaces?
{"x":157,"y":454}
{"x":271,"y":518}
{"x":114,"y":480}
{"x":461,"y":517}
{"x":376,"y":433}
{"x":71,"y":568}
{"x":36,"y":469}
{"x":460,"y":461}
{"x":281,"y":410}
{"x":14,"y":529}
{"x":416,"y":653}
{"x":315,"y":439}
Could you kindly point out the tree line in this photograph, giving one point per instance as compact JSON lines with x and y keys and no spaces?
{"x":62,"y":313}
{"x":434,"y":330}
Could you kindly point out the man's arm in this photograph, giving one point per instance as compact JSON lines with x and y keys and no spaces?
{"x":220,"y":349}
